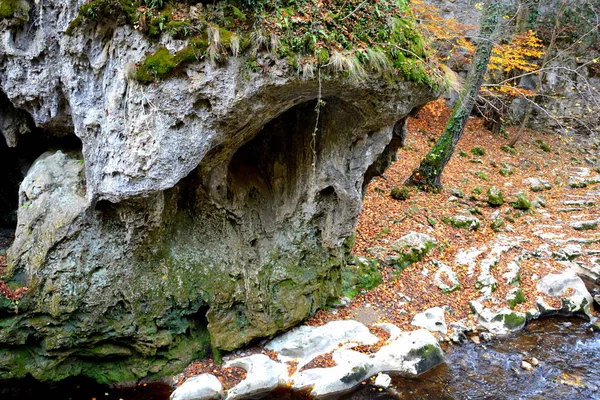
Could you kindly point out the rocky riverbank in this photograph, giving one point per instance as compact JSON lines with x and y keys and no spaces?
{"x":508,"y":264}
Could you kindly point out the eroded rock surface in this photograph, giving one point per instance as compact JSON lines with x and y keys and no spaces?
{"x":203,"y":211}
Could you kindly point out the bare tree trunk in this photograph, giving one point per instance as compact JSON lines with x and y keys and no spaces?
{"x":428,"y":175}
{"x":538,"y":86}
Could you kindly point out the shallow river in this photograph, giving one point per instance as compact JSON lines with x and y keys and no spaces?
{"x":568,"y":351}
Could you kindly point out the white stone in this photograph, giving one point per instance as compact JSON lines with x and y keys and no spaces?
{"x":304,"y":343}
{"x":570,"y":289}
{"x":263,"y":375}
{"x":445,"y":274}
{"x":411,"y":354}
{"x":383,"y":381}
{"x":199,"y":387}
{"x":498,"y":322}
{"x":432,"y":319}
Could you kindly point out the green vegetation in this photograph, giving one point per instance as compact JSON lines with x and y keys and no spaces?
{"x":544,"y":146}
{"x":13,"y":8}
{"x":364,"y":275}
{"x":494,"y":196}
{"x":478,"y":151}
{"x":400,"y":194}
{"x":510,"y":150}
{"x":350,"y":37}
{"x":515,"y":297}
{"x":522,"y":203}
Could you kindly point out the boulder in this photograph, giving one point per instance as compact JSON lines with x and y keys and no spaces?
{"x":494,"y":196}
{"x":263,"y":375}
{"x":537,"y":184}
{"x":468,"y":222}
{"x":410,"y":249}
{"x":304,"y":343}
{"x":411,"y":354}
{"x":570,"y":289}
{"x":431,"y":319}
{"x":499,"y":322}
{"x":202,"y":211}
{"x":199,"y":387}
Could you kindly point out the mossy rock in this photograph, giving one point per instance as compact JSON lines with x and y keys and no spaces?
{"x":544,"y":146}
{"x":494,"y":196}
{"x":410,"y":248}
{"x":514,"y":297}
{"x":522,"y":203}
{"x":465,"y":222}
{"x":497,"y":224}
{"x":510,"y":150}
{"x":15,"y":10}
{"x":512,"y":321}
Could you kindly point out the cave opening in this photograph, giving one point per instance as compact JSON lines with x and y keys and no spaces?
{"x":17,"y":154}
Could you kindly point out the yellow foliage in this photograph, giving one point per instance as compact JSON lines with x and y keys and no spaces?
{"x":518,"y":54}
{"x":447,"y":35}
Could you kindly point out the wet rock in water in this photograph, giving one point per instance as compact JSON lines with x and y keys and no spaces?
{"x":498,"y":322}
{"x":534,"y":361}
{"x":263,"y":375}
{"x":410,"y":249}
{"x":352,"y":368}
{"x":383,"y":381}
{"x":570,"y":289}
{"x":304,"y":343}
{"x":469,"y":222}
{"x":432,"y":319}
{"x":445,"y":278}
{"x":411,"y":354}
{"x":200,"y":387}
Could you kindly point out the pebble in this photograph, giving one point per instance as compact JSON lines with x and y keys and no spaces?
{"x":526,"y":366}
{"x":382,"y":381}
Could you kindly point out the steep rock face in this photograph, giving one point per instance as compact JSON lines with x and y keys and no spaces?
{"x":208,"y":209}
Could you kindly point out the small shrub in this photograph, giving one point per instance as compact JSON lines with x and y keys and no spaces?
{"x":481,"y":175}
{"x":400,"y":194}
{"x":463,"y":153}
{"x":509,"y":150}
{"x":478,"y":151}
{"x":544,"y":146}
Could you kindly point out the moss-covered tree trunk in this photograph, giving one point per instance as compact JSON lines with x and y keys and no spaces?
{"x":429,"y":173}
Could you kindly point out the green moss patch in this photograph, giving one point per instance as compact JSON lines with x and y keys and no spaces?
{"x":349,"y":37}
{"x":14,"y":9}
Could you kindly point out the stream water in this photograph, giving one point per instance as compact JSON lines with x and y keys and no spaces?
{"x":568,"y":351}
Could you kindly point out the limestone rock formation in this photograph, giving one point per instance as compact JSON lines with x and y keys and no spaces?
{"x":203,"y":209}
